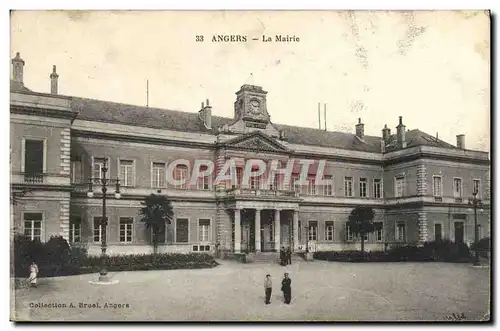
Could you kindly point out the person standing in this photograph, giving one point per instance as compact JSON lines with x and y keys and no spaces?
{"x":33,"y":274}
{"x":286,"y":287}
{"x":282,"y":256}
{"x":268,"y":287}
{"x":289,"y":255}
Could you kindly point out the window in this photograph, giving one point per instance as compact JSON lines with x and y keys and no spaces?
{"x":295,"y":182}
{"x":75,"y":230}
{"x":239,"y":177}
{"x":99,"y":231}
{"x":438,"y":232}
{"x":274,"y":182}
{"x":311,"y":186}
{"x":97,"y":168}
{"x":476,"y":186}
{"x":181,"y":174}
{"x":204,"y":230}
{"x":203,"y":182}
{"x":126,"y":228}
{"x":401,"y":232}
{"x":348,"y":186}
{"x":313,"y":231}
{"x":379,"y":232}
{"x":377,"y":188}
{"x":158,"y":175}
{"x":33,"y":225}
{"x":126,"y":172}
{"x":33,"y":156}
{"x":76,"y":171}
{"x":182,"y":230}
{"x":328,"y":188}
{"x":400,"y":186}
{"x":437,"y":187}
{"x":329,"y":231}
{"x":362,"y":187}
{"x":348,"y":233}
{"x":255,"y":182}
{"x":201,"y":248}
{"x":457,"y":187}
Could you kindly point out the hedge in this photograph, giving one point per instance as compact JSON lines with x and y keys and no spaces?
{"x":441,"y":251}
{"x":56,"y":258}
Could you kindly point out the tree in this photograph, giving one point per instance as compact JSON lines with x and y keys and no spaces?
{"x":361,"y":223}
{"x":156,"y":213}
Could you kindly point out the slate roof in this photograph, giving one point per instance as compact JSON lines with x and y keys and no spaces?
{"x":18,"y":87}
{"x":112,"y":112}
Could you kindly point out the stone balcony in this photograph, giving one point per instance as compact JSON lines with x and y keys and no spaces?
{"x":260,"y":192}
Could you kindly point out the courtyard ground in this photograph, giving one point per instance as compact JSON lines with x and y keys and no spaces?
{"x":321,"y":291}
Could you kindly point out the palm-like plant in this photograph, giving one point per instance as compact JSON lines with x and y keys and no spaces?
{"x":156,"y":213}
{"x":361,"y":223}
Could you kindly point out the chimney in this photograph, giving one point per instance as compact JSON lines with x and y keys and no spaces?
{"x":208,"y":116}
{"x":386,"y":133}
{"x":401,"y":133}
{"x":205,"y":114}
{"x":461,"y":141}
{"x":360,"y":129}
{"x":53,"y":80}
{"x":18,"y":68}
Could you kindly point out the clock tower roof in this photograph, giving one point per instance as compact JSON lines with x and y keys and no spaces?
{"x":251,"y":88}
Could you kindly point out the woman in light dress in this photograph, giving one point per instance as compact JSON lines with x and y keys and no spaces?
{"x":33,"y":274}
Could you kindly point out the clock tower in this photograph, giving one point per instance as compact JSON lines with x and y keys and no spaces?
{"x":250,"y":106}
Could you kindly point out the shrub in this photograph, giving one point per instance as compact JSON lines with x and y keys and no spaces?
{"x":26,"y":251}
{"x":57,"y":254}
{"x":447,"y":251}
{"x":443,"y":251}
{"x":483,"y":247}
{"x":57,"y":258}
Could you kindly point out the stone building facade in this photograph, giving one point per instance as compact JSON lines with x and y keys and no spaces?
{"x":418,"y":185}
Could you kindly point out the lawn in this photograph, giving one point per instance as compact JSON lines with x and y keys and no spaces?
{"x":321,"y":291}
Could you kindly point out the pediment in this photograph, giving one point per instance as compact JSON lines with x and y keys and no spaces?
{"x":256,"y":141}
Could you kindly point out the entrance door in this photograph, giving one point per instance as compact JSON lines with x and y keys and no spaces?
{"x":312,"y":236}
{"x":459,"y":232}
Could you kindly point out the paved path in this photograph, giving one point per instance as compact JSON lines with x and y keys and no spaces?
{"x":325,"y":291}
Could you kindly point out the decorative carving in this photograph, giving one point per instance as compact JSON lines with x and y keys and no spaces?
{"x":258,"y":143}
{"x":255,"y":125}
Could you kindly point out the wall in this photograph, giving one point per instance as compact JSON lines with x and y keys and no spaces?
{"x":449,"y":170}
{"x":51,"y":134}
{"x":141,"y":235}
{"x":51,"y":225}
{"x":142,"y":154}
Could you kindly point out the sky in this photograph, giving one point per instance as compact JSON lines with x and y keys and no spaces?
{"x":431,"y":68}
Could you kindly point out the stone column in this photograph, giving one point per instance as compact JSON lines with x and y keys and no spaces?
{"x":257,"y":230}
{"x":277,"y":229}
{"x":422,"y":227}
{"x":237,"y":230}
{"x":295,"y":230}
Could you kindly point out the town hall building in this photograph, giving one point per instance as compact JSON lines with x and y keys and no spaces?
{"x":418,"y":185}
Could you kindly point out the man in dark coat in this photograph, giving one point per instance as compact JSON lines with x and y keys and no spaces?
{"x":288,"y":255}
{"x":282,"y":256}
{"x":286,"y":287}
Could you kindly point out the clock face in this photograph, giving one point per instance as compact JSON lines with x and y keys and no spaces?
{"x":255,"y":106}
